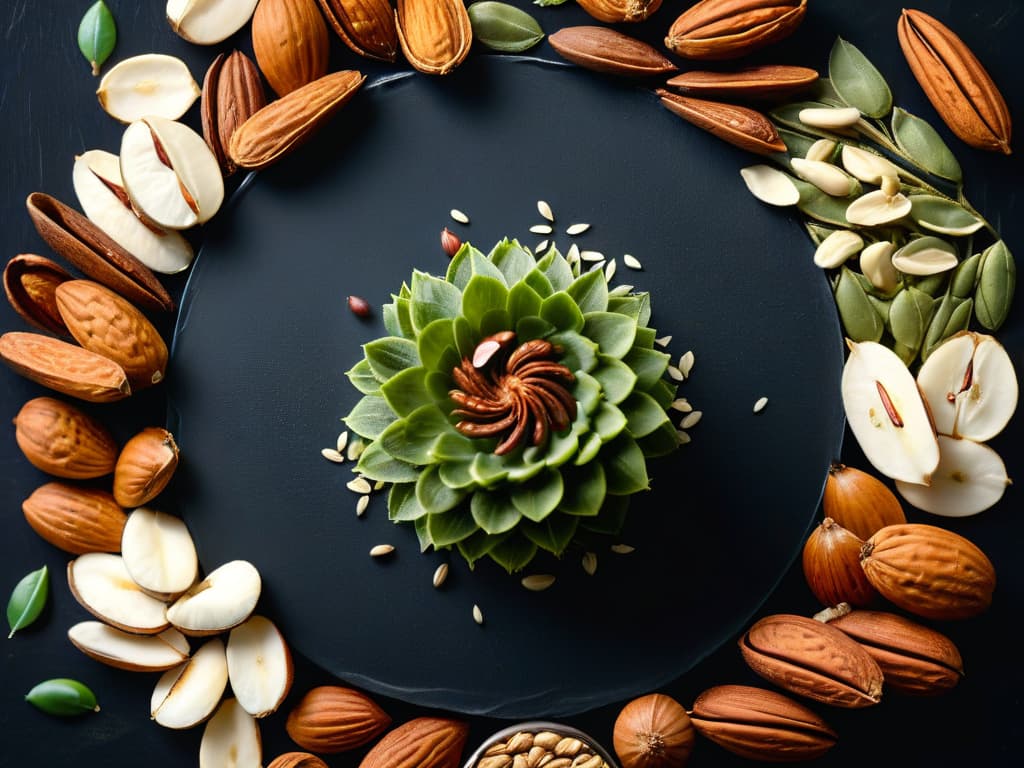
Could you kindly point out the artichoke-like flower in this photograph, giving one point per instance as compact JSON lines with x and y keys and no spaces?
{"x":513,"y":406}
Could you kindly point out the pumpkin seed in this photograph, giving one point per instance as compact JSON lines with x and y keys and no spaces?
{"x":362,"y":504}
{"x":359,"y":485}
{"x":63,"y":697}
{"x":663,"y":341}
{"x":631,"y":261}
{"x":538,"y":582}
{"x":542,"y":246}
{"x":683,"y":437}
{"x":591,"y":256}
{"x":923,"y":146}
{"x":691,"y":419}
{"x":28,"y":599}
{"x":381,"y":550}
{"x":674,"y":373}
{"x":589,"y":563}
{"x":572,"y":256}
{"x":478,"y":615}
{"x":860,"y":321}
{"x":996,"y":286}
{"x":609,"y":271}
{"x":909,"y":315}
{"x":355,"y":449}
{"x":686,"y":364}
{"x":965,"y":277}
{"x":682,"y":405}
{"x":944,"y":216}
{"x":541,"y":229}
{"x":503,"y":27}
{"x":621,"y":290}
{"x":622,"y":549}
{"x":545,"y":210}
{"x":856,"y":80}
{"x":576,"y":229}
{"x":342,"y":442}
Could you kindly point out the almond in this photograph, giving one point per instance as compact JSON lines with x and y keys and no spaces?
{"x":435,"y":35}
{"x":332,"y":719}
{"x":145,"y":466}
{"x":607,"y":50}
{"x":740,"y":126}
{"x":30,"y":282}
{"x":426,"y":742}
{"x":365,"y":26}
{"x":64,"y":367}
{"x":297,"y":760}
{"x":232,"y":93}
{"x":728,"y":29}
{"x":76,"y":520}
{"x":615,"y":11}
{"x":63,"y":441}
{"x":290,"y":41}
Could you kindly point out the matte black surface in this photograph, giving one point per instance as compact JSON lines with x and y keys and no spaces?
{"x":48,"y":113}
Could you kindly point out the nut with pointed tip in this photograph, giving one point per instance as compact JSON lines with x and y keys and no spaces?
{"x":101,"y":584}
{"x":290,"y":41}
{"x":61,"y":440}
{"x":30,"y":282}
{"x":365,"y":26}
{"x":124,"y":650}
{"x":231,"y":737}
{"x":756,"y":82}
{"x":740,"y":126}
{"x":76,"y":520}
{"x":232,"y":93}
{"x":64,"y":367}
{"x":616,"y":11}
{"x":221,"y":601}
{"x":331,"y":719}
{"x":159,"y":553}
{"x":359,"y":306}
{"x":188,"y":694}
{"x":831,"y":564}
{"x":206,"y":22}
{"x":435,"y":35}
{"x":450,"y":242}
{"x":606,"y":50}
{"x":424,"y":742}
{"x":145,"y":467}
{"x":259,"y":666}
{"x":859,"y":502}
{"x":653,"y":731}
{"x":728,"y":29}
{"x":149,"y":84}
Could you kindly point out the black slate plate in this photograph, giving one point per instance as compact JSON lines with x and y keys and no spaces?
{"x":264,"y":337}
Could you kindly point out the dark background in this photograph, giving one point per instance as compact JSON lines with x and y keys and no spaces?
{"x":48,"y":113}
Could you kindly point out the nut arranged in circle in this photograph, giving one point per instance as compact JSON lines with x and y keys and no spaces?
{"x":546,"y":748}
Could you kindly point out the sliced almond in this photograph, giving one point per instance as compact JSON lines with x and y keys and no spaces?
{"x":101,"y":584}
{"x":136,"y":653}
{"x":876,"y":265}
{"x":829,"y":117}
{"x":825,"y":176}
{"x":223,"y":600}
{"x":835,"y":249}
{"x":189,"y":693}
{"x":877,"y":208}
{"x":259,"y":666}
{"x":770,"y":185}
{"x":147,"y":85}
{"x":206,"y":22}
{"x":159,"y":552}
{"x":231,"y":738}
{"x":867,"y":166}
{"x":925,"y":256}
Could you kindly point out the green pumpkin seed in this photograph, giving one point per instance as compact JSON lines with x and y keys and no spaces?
{"x":860,"y":320}
{"x":797,"y":144}
{"x":944,"y":216}
{"x":925,"y":256}
{"x":943,"y":310}
{"x":881,"y":306}
{"x":996,"y":284}
{"x":906,"y":354}
{"x":959,"y":320}
{"x":924,"y":147}
{"x":97,"y":35}
{"x":933,"y":285}
{"x":27,"y":599}
{"x":856,"y":80}
{"x":822,"y":207}
{"x":908,"y":318}
{"x":965,"y":278}
{"x":503,"y":27}
{"x":63,"y":697}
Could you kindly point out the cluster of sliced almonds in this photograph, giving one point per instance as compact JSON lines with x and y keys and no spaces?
{"x":928,"y":434}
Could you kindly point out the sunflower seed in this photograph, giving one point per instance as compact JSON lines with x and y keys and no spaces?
{"x":545,"y":210}
{"x":589,"y":563}
{"x":362,"y":504}
{"x":459,"y":216}
{"x":381,"y":549}
{"x":691,"y":419}
{"x":609,"y":271}
{"x":597,"y":266}
{"x":686,"y":364}
{"x":538,"y":582}
{"x":684,"y":438}
{"x":440,"y":575}
{"x":332,"y":455}
{"x":355,"y":449}
{"x":573,"y":254}
{"x":478,"y":615}
{"x":760,"y":404}
{"x":577,"y":229}
{"x":359,"y":485}
{"x":591,"y":256}
{"x":682,"y":404}
{"x":342,"y":441}
{"x":675,"y":374}
{"x":631,"y":261}
{"x":663,"y":341}
{"x":542,"y":246}
{"x":541,"y":229}
{"x":622,"y":549}
{"x":621,"y":290}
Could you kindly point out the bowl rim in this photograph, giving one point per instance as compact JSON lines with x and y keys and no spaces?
{"x":535,"y":726}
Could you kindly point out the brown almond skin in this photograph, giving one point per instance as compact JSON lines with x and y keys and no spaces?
{"x":297,"y":760}
{"x":609,"y":51}
{"x":758,"y":724}
{"x":740,"y":126}
{"x":653,"y":730}
{"x":64,"y":367}
{"x":860,"y":502}
{"x":758,"y":82}
{"x":435,"y":35}
{"x":145,"y":467}
{"x":426,"y":742}
{"x":728,"y":29}
{"x":929,"y":571}
{"x":232,"y":93}
{"x":290,"y":41}
{"x":916,"y":660}
{"x":955,"y":82}
{"x":61,"y":440}
{"x":104,"y":323}
{"x":831,"y":563}
{"x":365,"y":26}
{"x":30,"y":282}
{"x":76,"y":520}
{"x":331,"y":719}
{"x":812,"y":659}
{"x":616,"y":11}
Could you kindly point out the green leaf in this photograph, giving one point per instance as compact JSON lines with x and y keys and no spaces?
{"x":389,"y":355}
{"x":494,"y":512}
{"x":390,"y":314}
{"x":578,"y":353}
{"x":483,"y":294}
{"x":412,"y":439}
{"x":436,"y":346}
{"x":860,"y":321}
{"x":965,"y":277}
{"x":587,"y":391}
{"x":616,"y":378}
{"x":370,"y":417}
{"x":625,"y":468}
{"x":539,"y":497}
{"x":523,"y":301}
{"x":545,"y":3}
{"x":649,"y":365}
{"x":460,"y":268}
{"x":487,"y":469}
{"x":529,"y":328}
{"x":540,"y":283}
{"x":378,"y":464}
{"x":423,"y":533}
{"x":27,"y":599}
{"x":909,"y":316}
{"x":63,"y":697}
{"x":611,"y":517}
{"x":996,"y":286}
{"x":940,"y":215}
{"x":512,"y":259}
{"x":661,"y":442}
{"x":797,"y":145}
{"x":362,"y":378}
{"x":821,"y":207}
{"x":614,"y":333}
{"x":403,"y":506}
{"x":455,"y":474}
{"x":560,"y":310}
{"x":451,"y":446}
{"x":432,"y":299}
{"x":645,"y":337}
{"x":589,"y":449}
{"x":433,"y":495}
{"x":97,"y":35}
{"x":406,"y":391}
{"x":556,"y":269}
{"x":483,"y":267}
{"x":643,"y":414}
{"x":514,"y":553}
{"x":924,"y":146}
{"x":451,"y":527}
{"x":857,"y":81}
{"x":608,"y":421}
{"x":466,"y":337}
{"x":943,"y":311}
{"x":663,"y":392}
{"x":553,"y":534}
{"x":590,"y":291}
{"x":584,"y":490}
{"x":562,"y":447}
{"x":479,"y":544}
{"x":495,"y":321}
{"x":403,"y":316}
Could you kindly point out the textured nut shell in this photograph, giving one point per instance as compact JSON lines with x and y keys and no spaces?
{"x":929,"y":571}
{"x":63,"y":441}
{"x":297,"y":760}
{"x":30,"y":282}
{"x":435,"y":35}
{"x":860,"y":502}
{"x":740,"y":126}
{"x":426,"y":742}
{"x":91,"y":250}
{"x":812,"y":659}
{"x":289,"y":39}
{"x":145,"y":467}
{"x":331,"y":719}
{"x":66,"y":368}
{"x":955,"y":82}
{"x":365,"y":26}
{"x":607,"y":50}
{"x":728,"y":29}
{"x":285,"y":124}
{"x":751,"y":82}
{"x":76,"y":520}
{"x":654,"y":719}
{"x":232,"y":93}
{"x":760,"y":725}
{"x":915,"y":659}
{"x":831,"y":563}
{"x":615,"y":11}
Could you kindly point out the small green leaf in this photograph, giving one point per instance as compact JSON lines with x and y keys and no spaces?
{"x":661,"y":442}
{"x":406,"y":391}
{"x":797,"y":145}
{"x":433,"y":495}
{"x":959,"y":320}
{"x":455,"y":474}
{"x":378,"y":464}
{"x":578,"y":352}
{"x":643,"y":414}
{"x":942,"y":312}
{"x":553,"y":534}
{"x":587,"y":391}
{"x":63,"y":697}
{"x":436,"y":346}
{"x":512,"y":259}
{"x":529,"y":328}
{"x":608,"y":421}
{"x":940,"y":215}
{"x":97,"y":35}
{"x":584,"y":490}
{"x":403,"y":506}
{"x":503,"y":27}
{"x":965,"y":278}
{"x":590,"y":292}
{"x":589,"y":449}
{"x":996,"y":286}
{"x":27,"y":599}
{"x":645,"y":337}
{"x":560,"y":310}
{"x":390,"y":314}
{"x":514,"y":553}
{"x":479,"y":544}
{"x":616,"y":378}
{"x":494,"y":512}
{"x":539,"y":497}
{"x":370,"y":417}
{"x":625,"y":468}
{"x":540,"y":283}
{"x":909,"y":315}
{"x":389,"y":355}
{"x":556,"y":269}
{"x":649,"y":365}
{"x":488,"y":470}
{"x":452,"y":526}
{"x":362,"y":378}
{"x":523,"y":301}
{"x":611,"y":517}
{"x":432,"y":299}
{"x":822,"y":207}
{"x":460,"y":268}
{"x":452,"y":446}
{"x":860,"y":321}
{"x":545,"y":3}
{"x":403,"y":316}
{"x":423,"y":532}
{"x":614,"y":333}
{"x":663,"y":392}
{"x":482,"y":294}
{"x":923,"y":145}
{"x":857,"y":81}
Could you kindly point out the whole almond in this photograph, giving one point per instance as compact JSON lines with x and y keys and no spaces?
{"x":104,"y":323}
{"x":64,"y":367}
{"x":145,"y":467}
{"x":283,"y":125}
{"x":232,"y":93}
{"x":728,"y":29}
{"x":331,"y":719}
{"x":426,"y":742}
{"x":762,"y":81}
{"x":760,"y":725}
{"x":365,"y":26}
{"x":831,"y":565}
{"x":30,"y":282}
{"x":435,"y":35}
{"x":616,"y":11}
{"x":291,"y":44}
{"x":812,"y":659}
{"x":955,"y":82}
{"x":76,"y":520}
{"x":297,"y":760}
{"x":740,"y":126}
{"x":607,"y":50}
{"x":63,"y":441}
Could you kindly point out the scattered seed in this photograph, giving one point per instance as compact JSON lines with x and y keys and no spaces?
{"x":541,"y":229}
{"x":663,"y":341}
{"x":609,"y":271}
{"x":355,"y":449}
{"x":684,"y":438}
{"x":538,"y":582}
{"x":675,"y":373}
{"x":631,"y":261}
{"x":621,"y":290}
{"x":459,"y":216}
{"x":576,"y":229}
{"x":760,"y":404}
{"x":342,"y":441}
{"x":686,"y":364}
{"x":591,"y":256}
{"x":542,"y":246}
{"x":589,"y":563}
{"x":440,"y":575}
{"x":597,"y":266}
{"x":450,"y":242}
{"x":332,"y":455}
{"x":573,"y":254}
{"x":478,"y":615}
{"x":622,"y":549}
{"x":379,"y":485}
{"x":682,"y":404}
{"x":691,"y":419}
{"x":381,"y":549}
{"x":359,"y":485}
{"x":545,"y":210}
{"x":360,"y":307}
{"x":362,"y":504}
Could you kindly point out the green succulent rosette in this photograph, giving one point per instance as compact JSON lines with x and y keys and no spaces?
{"x":455,"y":489}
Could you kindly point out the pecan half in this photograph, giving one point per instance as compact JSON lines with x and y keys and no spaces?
{"x":743,"y":127}
{"x":607,"y":50}
{"x":728,"y":29}
{"x":751,"y":82}
{"x":232,"y":93}
{"x":30,"y":282}
{"x":365,"y":26}
{"x":435,"y":35}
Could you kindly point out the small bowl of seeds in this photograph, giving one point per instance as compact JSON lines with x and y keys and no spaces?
{"x":535,"y":744}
